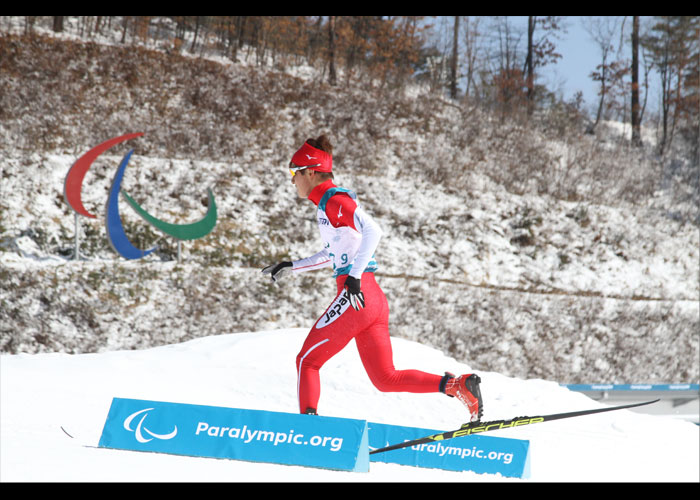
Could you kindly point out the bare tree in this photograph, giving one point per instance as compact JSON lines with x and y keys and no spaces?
{"x":540,"y":51}
{"x":472,"y":48}
{"x":602,"y":29}
{"x":506,"y":77}
{"x":672,"y":42}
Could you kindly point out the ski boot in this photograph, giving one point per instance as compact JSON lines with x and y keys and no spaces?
{"x":466,"y":389}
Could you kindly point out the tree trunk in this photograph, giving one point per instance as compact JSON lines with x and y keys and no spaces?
{"x":58,"y":23}
{"x":529,"y":63}
{"x":636,"y":134}
{"x":331,"y":51}
{"x":455,"y":46}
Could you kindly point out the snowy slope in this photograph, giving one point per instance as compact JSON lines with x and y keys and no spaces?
{"x":41,"y":392}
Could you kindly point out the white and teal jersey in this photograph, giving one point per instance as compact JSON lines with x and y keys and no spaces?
{"x":350,"y":235}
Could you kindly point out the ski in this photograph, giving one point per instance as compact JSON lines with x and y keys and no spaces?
{"x":77,"y":439}
{"x":67,"y":433}
{"x":494,"y":425}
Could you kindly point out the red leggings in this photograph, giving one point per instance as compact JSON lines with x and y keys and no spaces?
{"x":370,"y":329}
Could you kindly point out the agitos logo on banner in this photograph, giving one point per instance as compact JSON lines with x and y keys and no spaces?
{"x":116,"y":235}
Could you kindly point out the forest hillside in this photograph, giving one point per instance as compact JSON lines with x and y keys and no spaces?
{"x":529,"y":248}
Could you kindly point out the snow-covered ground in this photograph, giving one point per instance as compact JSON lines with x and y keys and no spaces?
{"x":42,"y":392}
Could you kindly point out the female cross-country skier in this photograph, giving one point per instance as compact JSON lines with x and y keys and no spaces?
{"x":360,"y":309}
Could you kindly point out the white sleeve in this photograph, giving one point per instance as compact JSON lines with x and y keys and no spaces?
{"x":371,"y":234}
{"x":316,"y":261}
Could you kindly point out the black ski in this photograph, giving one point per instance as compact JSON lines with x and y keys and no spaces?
{"x":494,"y":425}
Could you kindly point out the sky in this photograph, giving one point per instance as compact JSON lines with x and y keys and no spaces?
{"x":580,"y":56}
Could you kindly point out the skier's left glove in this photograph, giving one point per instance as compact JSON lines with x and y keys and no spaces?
{"x":357,"y":298}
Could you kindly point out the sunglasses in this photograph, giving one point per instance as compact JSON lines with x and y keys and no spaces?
{"x":293,"y":169}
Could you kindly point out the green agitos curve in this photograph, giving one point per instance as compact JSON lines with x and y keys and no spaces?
{"x":191,"y":231}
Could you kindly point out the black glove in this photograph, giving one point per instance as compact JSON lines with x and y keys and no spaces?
{"x":357,"y":298}
{"x":276,"y":271}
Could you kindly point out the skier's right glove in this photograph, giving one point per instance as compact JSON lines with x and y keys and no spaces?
{"x":277,"y":271}
{"x":357,"y":298}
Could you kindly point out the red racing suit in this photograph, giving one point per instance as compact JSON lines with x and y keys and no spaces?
{"x":351,"y":237}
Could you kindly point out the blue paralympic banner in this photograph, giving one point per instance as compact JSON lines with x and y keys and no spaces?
{"x":252,"y":435}
{"x":481,"y":454}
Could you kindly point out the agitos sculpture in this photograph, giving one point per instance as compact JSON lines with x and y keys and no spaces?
{"x":116,"y":234}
